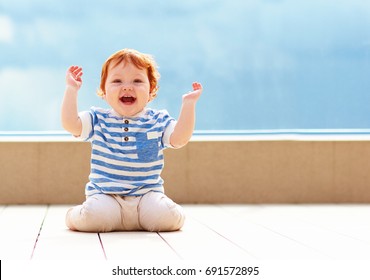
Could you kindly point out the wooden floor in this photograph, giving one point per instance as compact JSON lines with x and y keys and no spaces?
{"x":211,"y":232}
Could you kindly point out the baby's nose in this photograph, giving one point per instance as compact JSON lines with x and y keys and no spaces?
{"x":127,"y":87}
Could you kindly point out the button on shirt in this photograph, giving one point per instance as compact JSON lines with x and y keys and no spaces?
{"x":127,"y":154}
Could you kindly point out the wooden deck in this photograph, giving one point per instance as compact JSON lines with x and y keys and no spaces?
{"x":283,"y":241}
{"x":211,"y":232}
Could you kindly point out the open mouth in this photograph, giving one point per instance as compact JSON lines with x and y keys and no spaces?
{"x":127,"y":100}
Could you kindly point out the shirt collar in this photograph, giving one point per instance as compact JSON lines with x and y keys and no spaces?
{"x":138,"y":115}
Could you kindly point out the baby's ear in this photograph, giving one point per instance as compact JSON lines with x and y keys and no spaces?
{"x":100,"y":93}
{"x":151,"y":97}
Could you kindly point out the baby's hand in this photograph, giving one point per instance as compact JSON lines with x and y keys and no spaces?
{"x":194,"y":95}
{"x":73,"y":77}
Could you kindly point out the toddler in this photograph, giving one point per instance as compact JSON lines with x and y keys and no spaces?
{"x":125,"y":191}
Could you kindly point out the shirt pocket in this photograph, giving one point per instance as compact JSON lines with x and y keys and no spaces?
{"x":147,"y":146}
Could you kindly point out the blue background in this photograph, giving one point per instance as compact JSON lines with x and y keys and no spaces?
{"x":264,"y":64}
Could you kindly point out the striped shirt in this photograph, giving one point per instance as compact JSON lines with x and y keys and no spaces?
{"x":127,"y":153}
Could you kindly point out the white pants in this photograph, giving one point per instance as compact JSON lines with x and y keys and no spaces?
{"x":103,"y":213}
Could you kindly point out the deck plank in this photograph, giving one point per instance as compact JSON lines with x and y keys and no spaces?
{"x":348,"y":220}
{"x":323,"y":229}
{"x":198,"y":242}
{"x":137,"y":245}
{"x":56,"y":242}
{"x":19,"y":226}
{"x":259,"y":241}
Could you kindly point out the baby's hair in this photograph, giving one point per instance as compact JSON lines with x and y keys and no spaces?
{"x":140,"y":60}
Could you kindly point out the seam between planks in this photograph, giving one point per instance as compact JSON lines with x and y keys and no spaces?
{"x":39,"y":233}
{"x":102,"y":246}
{"x":226,"y":238}
{"x":169,"y":245}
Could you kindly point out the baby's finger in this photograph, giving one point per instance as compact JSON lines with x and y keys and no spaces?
{"x":74,"y":70}
{"x":77,"y":70}
{"x":196,"y":86}
{"x":71,"y":69}
{"x":77,"y":73}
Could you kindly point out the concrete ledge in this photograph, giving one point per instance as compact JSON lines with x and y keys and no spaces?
{"x":205,"y":171}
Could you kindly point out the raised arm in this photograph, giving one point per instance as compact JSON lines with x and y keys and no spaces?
{"x":69,"y":113}
{"x":186,"y":122}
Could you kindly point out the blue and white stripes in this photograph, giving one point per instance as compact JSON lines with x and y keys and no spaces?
{"x":127,"y":153}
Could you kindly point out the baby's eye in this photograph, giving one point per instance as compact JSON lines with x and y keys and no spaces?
{"x":137,"y":81}
{"x":116,"y":81}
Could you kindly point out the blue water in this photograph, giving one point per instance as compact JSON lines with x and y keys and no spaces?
{"x":264,"y":65}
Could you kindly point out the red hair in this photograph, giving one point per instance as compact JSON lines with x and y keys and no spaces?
{"x":140,"y":60}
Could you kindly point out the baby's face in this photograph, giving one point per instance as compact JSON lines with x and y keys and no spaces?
{"x":127,"y":88}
